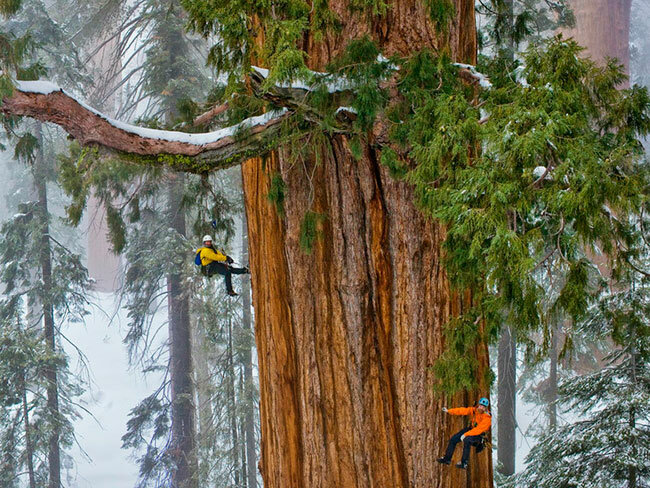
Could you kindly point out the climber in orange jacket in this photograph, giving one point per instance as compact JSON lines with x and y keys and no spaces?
{"x":470,"y":436}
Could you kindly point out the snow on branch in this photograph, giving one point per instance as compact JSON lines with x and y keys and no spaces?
{"x":471,"y":71}
{"x":47,"y":102}
{"x":259,"y":75}
{"x":337,"y":85}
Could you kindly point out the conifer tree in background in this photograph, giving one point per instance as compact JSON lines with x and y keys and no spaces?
{"x":609,"y":444}
{"x":250,"y":391}
{"x":508,"y":24}
{"x":44,"y":277}
{"x":228,"y":401}
{"x":559,"y":146}
{"x":41,"y":274}
{"x":153,"y":204}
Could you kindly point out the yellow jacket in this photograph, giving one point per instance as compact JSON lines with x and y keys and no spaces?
{"x":209,"y":255}
{"x":481,"y":422}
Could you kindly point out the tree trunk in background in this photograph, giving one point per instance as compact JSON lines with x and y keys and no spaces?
{"x":507,"y":356}
{"x":346,"y":336}
{"x":232,"y":407}
{"x":29,"y":448}
{"x":102,"y":263}
{"x":247,"y":359}
{"x":182,"y":449}
{"x":603,"y":27}
{"x":507,"y":399}
{"x":242,"y":430}
{"x":49,"y":331}
{"x":552,"y":381}
{"x":201,"y":360}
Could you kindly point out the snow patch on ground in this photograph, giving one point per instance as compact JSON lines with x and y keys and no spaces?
{"x":114,"y":392}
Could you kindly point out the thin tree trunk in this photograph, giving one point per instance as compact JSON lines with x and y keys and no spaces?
{"x":632,"y":471}
{"x":201,"y":361}
{"x":29,"y":448}
{"x":247,"y":358}
{"x":232,"y":409}
{"x":346,"y":336}
{"x":242,"y":432}
{"x":184,"y":471}
{"x":49,"y":332}
{"x":507,"y":352}
{"x":552,"y":381}
{"x":507,"y":396}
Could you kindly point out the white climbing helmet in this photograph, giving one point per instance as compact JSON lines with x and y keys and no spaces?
{"x":207,"y":237}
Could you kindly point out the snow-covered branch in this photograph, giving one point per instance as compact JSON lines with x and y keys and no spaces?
{"x":47,"y":102}
{"x":470,"y":71}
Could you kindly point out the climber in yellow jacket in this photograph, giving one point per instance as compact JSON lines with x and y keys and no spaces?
{"x":214,"y":261}
{"x":470,"y":436}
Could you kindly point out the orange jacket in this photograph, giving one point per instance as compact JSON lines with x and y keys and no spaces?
{"x":480,"y":421}
{"x":208,"y":255}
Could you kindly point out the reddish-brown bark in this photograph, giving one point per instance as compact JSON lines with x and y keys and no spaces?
{"x":347,"y":335}
{"x":88,"y":128}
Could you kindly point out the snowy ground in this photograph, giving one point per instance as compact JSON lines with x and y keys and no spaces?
{"x":114,"y":391}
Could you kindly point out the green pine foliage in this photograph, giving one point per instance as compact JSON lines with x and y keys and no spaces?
{"x":310,"y":230}
{"x":277,"y":192}
{"x":442,"y":13}
{"x":505,"y":24}
{"x":608,"y":445}
{"x":541,"y":170}
{"x":23,"y":353}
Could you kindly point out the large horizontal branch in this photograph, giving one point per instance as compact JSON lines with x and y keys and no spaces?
{"x":213,"y":150}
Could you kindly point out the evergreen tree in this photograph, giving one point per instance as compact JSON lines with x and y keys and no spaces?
{"x":46,"y":260}
{"x":608,"y":445}
{"x":38,"y":383}
{"x":228,"y":441}
{"x":526,"y":173}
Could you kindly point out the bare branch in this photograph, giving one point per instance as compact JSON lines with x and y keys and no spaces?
{"x":206,"y":117}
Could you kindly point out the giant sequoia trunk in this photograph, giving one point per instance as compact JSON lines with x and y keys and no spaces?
{"x":347,"y":335}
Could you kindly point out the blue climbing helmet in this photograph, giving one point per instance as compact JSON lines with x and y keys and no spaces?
{"x":484,"y":401}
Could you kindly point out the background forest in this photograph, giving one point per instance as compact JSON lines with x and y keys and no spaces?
{"x":120,"y":365}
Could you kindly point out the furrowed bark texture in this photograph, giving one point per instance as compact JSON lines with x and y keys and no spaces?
{"x":346,"y":335}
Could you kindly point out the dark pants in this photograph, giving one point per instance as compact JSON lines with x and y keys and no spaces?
{"x":468,"y":442}
{"x":225,"y":270}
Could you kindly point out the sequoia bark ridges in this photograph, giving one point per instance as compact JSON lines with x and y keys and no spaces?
{"x":347,"y":334}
